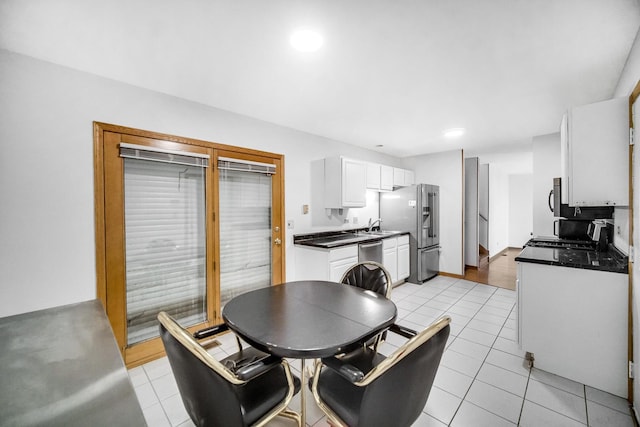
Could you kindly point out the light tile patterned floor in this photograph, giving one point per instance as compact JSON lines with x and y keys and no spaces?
{"x":483,"y":379}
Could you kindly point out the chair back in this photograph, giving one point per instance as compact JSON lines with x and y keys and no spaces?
{"x":208,"y":397}
{"x":398,"y":396}
{"x":369,"y":275}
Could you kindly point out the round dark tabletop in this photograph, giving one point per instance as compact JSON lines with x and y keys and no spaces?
{"x":308,"y":319}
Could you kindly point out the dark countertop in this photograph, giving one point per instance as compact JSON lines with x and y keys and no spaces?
{"x":62,"y":367}
{"x":335,"y":239}
{"x":611,"y":260}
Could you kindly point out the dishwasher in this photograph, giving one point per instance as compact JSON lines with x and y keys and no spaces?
{"x":370,"y":252}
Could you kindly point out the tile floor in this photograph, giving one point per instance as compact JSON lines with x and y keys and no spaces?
{"x":482,"y":380}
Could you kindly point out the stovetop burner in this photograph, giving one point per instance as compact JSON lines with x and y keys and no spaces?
{"x":562,"y":243}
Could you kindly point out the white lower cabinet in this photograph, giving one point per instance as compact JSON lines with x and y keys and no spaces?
{"x":324,"y":264}
{"x":390,"y":257}
{"x":574,"y":322}
{"x":330,"y":264}
{"x":403,"y":257}
{"x":395,"y":257}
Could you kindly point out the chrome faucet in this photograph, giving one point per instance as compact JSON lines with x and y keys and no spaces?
{"x":372,"y":224}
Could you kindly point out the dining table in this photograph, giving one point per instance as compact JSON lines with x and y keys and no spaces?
{"x":308,"y":319}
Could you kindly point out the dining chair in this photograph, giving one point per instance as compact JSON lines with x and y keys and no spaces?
{"x":365,"y":388}
{"x":369,"y":275}
{"x":248,"y":388}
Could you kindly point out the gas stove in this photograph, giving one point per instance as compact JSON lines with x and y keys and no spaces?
{"x":542,"y":242}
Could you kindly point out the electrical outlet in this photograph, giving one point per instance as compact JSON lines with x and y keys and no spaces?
{"x":355,"y":219}
{"x":290,"y":224}
{"x":346,"y":220}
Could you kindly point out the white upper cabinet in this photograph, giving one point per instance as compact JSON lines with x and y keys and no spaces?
{"x":386,"y":177}
{"x":409,"y":177}
{"x":345,"y":183}
{"x":402,"y":177}
{"x":595,"y":154}
{"x":373,"y":176}
{"x":379,"y":177}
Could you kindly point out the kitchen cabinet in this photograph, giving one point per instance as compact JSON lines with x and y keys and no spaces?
{"x":379,"y":177}
{"x":403,"y":257}
{"x":345,"y":183}
{"x":395,"y":257}
{"x":574,"y":322}
{"x":390,"y":257}
{"x":403,"y":177}
{"x":595,"y":154}
{"x":386,"y":178}
{"x":324,"y":264}
{"x":373,"y":176}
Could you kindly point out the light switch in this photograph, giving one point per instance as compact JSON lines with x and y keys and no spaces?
{"x":305,"y":209}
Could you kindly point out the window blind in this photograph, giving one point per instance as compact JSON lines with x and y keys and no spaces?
{"x":225,"y":163}
{"x":164,"y":243}
{"x":245,"y":230}
{"x":155,"y":154}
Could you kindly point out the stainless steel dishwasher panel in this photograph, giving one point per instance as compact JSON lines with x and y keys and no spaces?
{"x":371,"y":251}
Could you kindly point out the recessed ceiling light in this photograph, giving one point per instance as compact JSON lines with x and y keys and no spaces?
{"x":453,"y":133}
{"x":306,"y":40}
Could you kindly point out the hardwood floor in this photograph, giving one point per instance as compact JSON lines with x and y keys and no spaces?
{"x":501,"y":271}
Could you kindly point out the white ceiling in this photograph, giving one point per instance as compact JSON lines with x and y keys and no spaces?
{"x":391,"y":73}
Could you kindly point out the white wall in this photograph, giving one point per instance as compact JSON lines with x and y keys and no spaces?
{"x":47,"y":244}
{"x":546,"y":166}
{"x":471,"y":207}
{"x":631,"y":72}
{"x":520,"y":209}
{"x":498,"y":209}
{"x":483,"y":205}
{"x":446,"y":170}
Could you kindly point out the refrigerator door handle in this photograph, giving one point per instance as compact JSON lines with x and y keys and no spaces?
{"x":435,"y":209}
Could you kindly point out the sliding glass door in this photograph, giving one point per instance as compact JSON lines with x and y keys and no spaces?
{"x":182,"y":226}
{"x":164,"y":212}
{"x":245,"y":226}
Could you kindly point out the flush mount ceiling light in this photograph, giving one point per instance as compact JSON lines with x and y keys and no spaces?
{"x":453,"y":132}
{"x":306,"y":40}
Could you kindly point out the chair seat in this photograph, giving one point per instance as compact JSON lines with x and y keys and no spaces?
{"x":339,"y":393}
{"x":263,"y":393}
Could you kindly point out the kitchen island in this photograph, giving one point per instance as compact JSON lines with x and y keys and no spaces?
{"x":62,"y":367}
{"x":572,"y":314}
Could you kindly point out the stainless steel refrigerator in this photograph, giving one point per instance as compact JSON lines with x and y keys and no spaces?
{"x":416,"y":209}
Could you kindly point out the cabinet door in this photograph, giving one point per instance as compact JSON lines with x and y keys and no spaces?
{"x":398,"y":177}
{"x":386,"y":177}
{"x":403,"y":262}
{"x":354,"y":183}
{"x":373,"y":176}
{"x":390,"y":257}
{"x":599,"y":154}
{"x":338,"y":268}
{"x":409,"y":177}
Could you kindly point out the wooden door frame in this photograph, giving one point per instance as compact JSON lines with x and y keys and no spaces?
{"x":105,"y":196}
{"x":635,"y":94}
